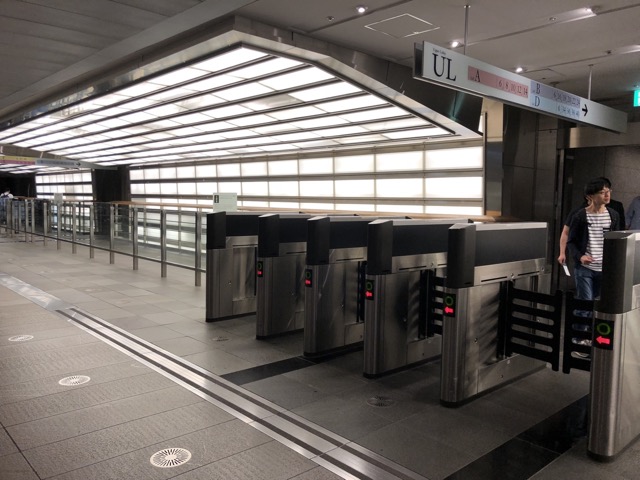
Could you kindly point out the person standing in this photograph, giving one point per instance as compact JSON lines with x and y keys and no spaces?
{"x":586,"y":238}
{"x":632,"y":219}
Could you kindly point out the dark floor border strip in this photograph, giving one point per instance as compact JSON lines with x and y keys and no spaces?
{"x":372,"y":461}
{"x":255,"y":374}
{"x":533,"y":449}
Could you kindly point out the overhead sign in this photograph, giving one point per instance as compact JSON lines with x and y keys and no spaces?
{"x":451,"y":69}
{"x":636,"y":98}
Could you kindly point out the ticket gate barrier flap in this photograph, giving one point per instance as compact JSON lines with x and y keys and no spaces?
{"x":334,"y":308}
{"x":578,"y":328}
{"x":393,"y":332}
{"x":533,"y":324}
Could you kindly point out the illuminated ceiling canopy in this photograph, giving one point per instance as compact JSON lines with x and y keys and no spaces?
{"x":241,"y":101}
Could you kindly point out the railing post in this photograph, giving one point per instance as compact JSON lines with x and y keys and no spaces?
{"x":134,"y":237}
{"x":163,"y":243}
{"x":92,"y":238}
{"x":74,"y":219}
{"x":9,"y":207}
{"x":59,"y":224}
{"x":46,"y":221}
{"x":112,"y":223}
{"x":25,"y":206}
{"x":32,"y":203}
{"x":198,"y":249}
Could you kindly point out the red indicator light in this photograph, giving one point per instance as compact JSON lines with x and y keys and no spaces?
{"x":308,"y":275}
{"x":603,"y":335}
{"x":449,"y":307}
{"x":368,"y":290}
{"x":259,"y":271}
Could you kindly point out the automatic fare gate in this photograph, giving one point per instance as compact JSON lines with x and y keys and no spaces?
{"x":406,"y":261}
{"x":482,"y":261}
{"x":334,"y":280}
{"x":282,"y":247}
{"x":232,"y":240}
{"x":615,"y":367}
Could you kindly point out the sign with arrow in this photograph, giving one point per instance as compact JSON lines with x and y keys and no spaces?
{"x":454,"y":70}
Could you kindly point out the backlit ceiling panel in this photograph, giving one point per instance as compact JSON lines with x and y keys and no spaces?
{"x":242,"y":102}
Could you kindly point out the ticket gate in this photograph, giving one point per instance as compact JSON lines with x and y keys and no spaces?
{"x":280,"y":266}
{"x":334,"y":279}
{"x":406,"y":262}
{"x":615,"y":366}
{"x":232,"y":241}
{"x":482,"y":259}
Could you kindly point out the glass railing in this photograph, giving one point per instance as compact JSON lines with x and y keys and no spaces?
{"x":170,"y":235}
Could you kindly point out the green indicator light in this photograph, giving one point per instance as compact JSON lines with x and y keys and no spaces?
{"x":448,"y":300}
{"x":603,"y":328}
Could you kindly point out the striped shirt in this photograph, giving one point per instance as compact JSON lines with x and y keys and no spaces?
{"x":598,"y":224}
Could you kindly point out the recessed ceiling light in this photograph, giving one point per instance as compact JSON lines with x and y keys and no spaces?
{"x":519,"y":69}
{"x":361,"y":9}
{"x":455,"y":44}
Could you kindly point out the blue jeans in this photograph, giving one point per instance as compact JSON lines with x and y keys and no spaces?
{"x":588,"y":283}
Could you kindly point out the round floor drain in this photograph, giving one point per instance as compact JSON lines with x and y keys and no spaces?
{"x":220,"y":339}
{"x":74,"y":380}
{"x":20,"y":338}
{"x":379,"y":401}
{"x":170,"y":457}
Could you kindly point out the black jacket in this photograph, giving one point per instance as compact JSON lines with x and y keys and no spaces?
{"x":579,"y":232}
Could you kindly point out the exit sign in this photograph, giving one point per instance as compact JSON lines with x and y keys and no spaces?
{"x":636,"y":98}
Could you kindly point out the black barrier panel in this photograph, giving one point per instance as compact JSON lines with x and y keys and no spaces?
{"x":388,"y":239}
{"x":221,"y":225}
{"x":432,"y":297}
{"x":328,"y":233}
{"x":578,"y":326}
{"x":274,"y":229}
{"x":503,"y":246}
{"x":533,"y":324}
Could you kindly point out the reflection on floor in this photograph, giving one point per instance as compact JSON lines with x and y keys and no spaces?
{"x":129,"y":409}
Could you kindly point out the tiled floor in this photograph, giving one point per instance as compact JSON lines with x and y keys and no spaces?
{"x":110,"y":426}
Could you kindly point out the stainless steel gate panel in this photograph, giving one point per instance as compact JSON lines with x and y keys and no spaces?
{"x":391,"y":337}
{"x":615,"y":394}
{"x":280,"y":299}
{"x":231,"y":282}
{"x":615,"y":366}
{"x":331,"y":308}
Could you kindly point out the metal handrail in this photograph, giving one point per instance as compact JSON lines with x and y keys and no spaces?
{"x":125,"y":229}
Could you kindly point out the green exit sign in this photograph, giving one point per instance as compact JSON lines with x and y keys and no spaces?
{"x":636,"y":98}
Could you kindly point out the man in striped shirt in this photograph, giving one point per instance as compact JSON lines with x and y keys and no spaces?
{"x":586,"y":238}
